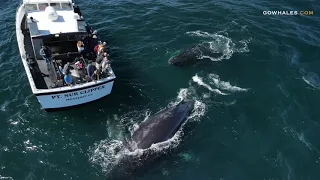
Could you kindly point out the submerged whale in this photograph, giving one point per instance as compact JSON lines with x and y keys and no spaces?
{"x":157,"y":128}
{"x":193,"y":55}
{"x":163,"y":125}
{"x":186,"y":57}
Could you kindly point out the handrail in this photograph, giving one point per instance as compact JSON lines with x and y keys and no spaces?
{"x":20,"y":4}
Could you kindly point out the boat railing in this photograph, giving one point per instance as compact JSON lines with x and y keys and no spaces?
{"x":20,"y":4}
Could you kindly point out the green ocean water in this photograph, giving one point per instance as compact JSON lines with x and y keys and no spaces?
{"x":257,"y":113}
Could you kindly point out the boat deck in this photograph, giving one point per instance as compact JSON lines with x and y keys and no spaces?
{"x":48,"y":75}
{"x":40,"y":82}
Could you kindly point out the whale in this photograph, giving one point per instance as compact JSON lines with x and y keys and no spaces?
{"x":157,"y":128}
{"x":162,"y":125}
{"x":194,"y":55}
{"x":186,"y":57}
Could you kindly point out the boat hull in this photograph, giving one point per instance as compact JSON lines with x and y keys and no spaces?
{"x":74,"y":97}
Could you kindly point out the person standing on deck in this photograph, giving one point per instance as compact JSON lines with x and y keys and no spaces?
{"x":90,"y":70}
{"x":80,"y":46}
{"x":68,"y":79}
{"x":66,"y":69}
{"x":76,"y":9}
{"x":105,"y":63}
{"x":45,"y":52}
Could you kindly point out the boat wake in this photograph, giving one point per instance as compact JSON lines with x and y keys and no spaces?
{"x":220,"y":45}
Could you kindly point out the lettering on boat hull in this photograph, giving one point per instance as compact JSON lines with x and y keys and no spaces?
{"x":76,"y":97}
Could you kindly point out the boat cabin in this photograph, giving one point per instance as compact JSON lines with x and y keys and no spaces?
{"x":59,"y":25}
{"x":54,"y":24}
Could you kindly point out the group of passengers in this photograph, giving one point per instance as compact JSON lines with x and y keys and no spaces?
{"x":102,"y":63}
{"x":87,"y":72}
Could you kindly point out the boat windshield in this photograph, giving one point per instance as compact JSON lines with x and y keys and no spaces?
{"x":56,"y":6}
{"x":42,"y":6}
{"x":66,"y":6}
{"x":31,"y":7}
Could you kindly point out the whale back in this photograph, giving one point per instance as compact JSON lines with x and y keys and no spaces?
{"x":163,"y":125}
{"x":187,"y":56}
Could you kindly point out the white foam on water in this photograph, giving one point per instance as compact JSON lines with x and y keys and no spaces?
{"x":5,"y":178}
{"x":304,"y":141}
{"x":206,"y":96}
{"x":200,"y":82}
{"x":224,"y":85}
{"x":312,"y":79}
{"x":4,"y":105}
{"x":107,"y":154}
{"x":29,"y":146}
{"x":198,"y":112}
{"x":244,"y":47}
{"x":184,"y":93}
{"x":218,"y":43}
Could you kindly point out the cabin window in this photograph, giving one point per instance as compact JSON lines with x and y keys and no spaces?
{"x":72,"y":38}
{"x":65,"y":5}
{"x":56,"y":6}
{"x":42,"y":6}
{"x":31,"y":7}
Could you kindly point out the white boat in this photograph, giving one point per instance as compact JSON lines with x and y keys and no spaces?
{"x":58,"y":25}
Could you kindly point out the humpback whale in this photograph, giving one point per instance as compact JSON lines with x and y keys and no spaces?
{"x":157,"y":128}
{"x":186,"y":57}
{"x":195,"y":54}
{"x":163,"y":125}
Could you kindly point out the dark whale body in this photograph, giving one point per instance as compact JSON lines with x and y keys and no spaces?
{"x":193,"y":55}
{"x":186,"y":57}
{"x":157,"y":128}
{"x":163,"y":125}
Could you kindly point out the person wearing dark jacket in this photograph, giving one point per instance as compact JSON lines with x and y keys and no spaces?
{"x":76,"y":9}
{"x":45,"y":52}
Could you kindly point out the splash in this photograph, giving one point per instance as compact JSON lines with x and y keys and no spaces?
{"x":224,"y":85}
{"x":198,"y":112}
{"x":200,"y":82}
{"x":107,"y":154}
{"x":5,"y":178}
{"x":135,"y":126}
{"x":220,"y":45}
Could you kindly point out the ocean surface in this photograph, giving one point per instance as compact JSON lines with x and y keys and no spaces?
{"x":257,"y":111}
